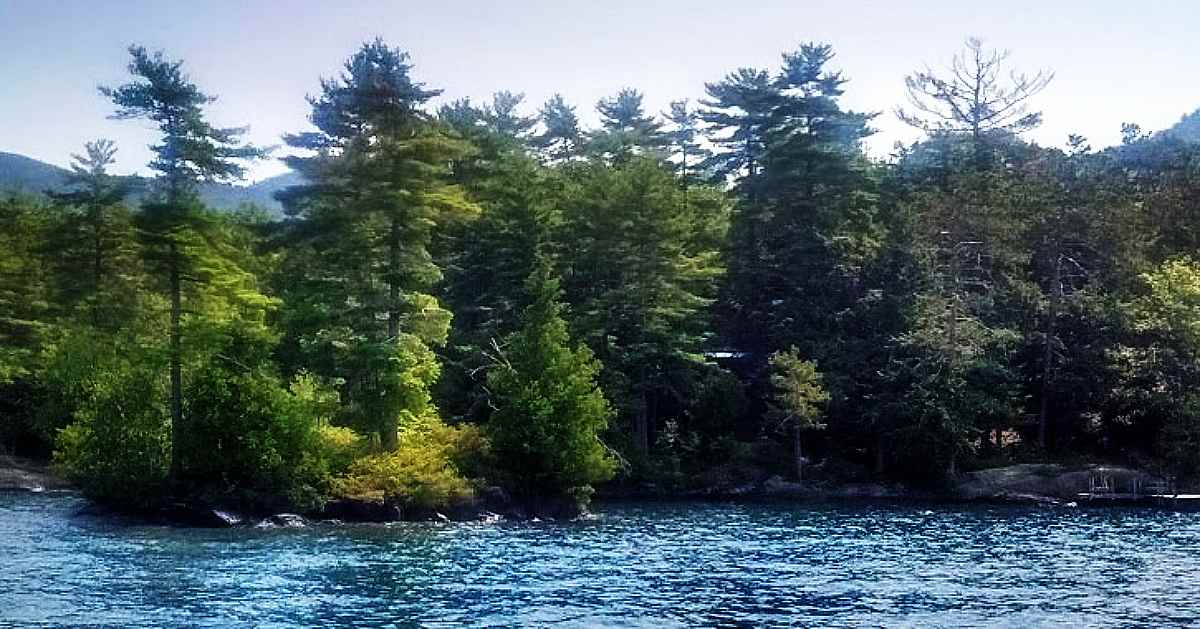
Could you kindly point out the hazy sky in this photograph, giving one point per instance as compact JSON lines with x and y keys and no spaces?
{"x":1115,"y":61}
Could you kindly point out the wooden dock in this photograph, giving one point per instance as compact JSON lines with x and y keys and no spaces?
{"x":1102,"y":487}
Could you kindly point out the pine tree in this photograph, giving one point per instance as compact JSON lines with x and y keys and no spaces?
{"x":549,"y":410}
{"x":95,"y":233}
{"x":686,"y":152}
{"x":640,"y":272}
{"x":798,"y":399}
{"x":25,"y":288}
{"x":974,"y":99}
{"x":626,"y":129}
{"x":379,"y":187}
{"x":736,"y":112}
{"x":191,"y":151}
{"x":503,"y":119}
{"x":804,"y":220}
{"x":561,"y":138}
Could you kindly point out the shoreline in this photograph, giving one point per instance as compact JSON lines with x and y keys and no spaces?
{"x":1048,"y":485}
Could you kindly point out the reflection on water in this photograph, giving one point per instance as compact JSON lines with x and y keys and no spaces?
{"x":644,"y":565}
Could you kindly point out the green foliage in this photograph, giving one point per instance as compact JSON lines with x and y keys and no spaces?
{"x":423,"y":471}
{"x":805,"y":222}
{"x":626,"y":129}
{"x":641,"y":263}
{"x":379,"y":187}
{"x":25,"y":288}
{"x":549,"y":411}
{"x":117,"y":445}
{"x":562,"y":138}
{"x":799,"y":392}
{"x":246,"y":430}
{"x":976,"y":292}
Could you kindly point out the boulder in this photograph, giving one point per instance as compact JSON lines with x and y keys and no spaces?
{"x":287,"y":520}
{"x":1049,"y":483}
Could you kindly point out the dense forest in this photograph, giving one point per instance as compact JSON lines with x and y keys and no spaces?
{"x":483,"y":295}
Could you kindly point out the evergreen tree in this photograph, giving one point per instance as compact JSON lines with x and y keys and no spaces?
{"x":804,"y":223}
{"x":640,"y":272}
{"x":798,"y":400}
{"x":736,"y":112}
{"x":687,"y":153}
{"x":25,"y":288}
{"x":626,"y":129}
{"x":549,"y":410}
{"x":561,"y":138}
{"x":192,"y":151}
{"x":96,"y":233}
{"x":503,"y":118}
{"x":379,"y":188}
{"x":487,"y":263}
{"x":974,"y":98}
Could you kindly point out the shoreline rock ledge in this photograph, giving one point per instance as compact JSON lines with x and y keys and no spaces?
{"x":18,"y":474}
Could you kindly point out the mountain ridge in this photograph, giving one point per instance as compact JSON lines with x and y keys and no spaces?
{"x":22,"y":174}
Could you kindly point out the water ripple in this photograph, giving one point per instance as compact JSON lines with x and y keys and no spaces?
{"x":634,"y":566}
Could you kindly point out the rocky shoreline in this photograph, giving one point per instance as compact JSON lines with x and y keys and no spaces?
{"x":1031,"y":483}
{"x":19,"y":474}
{"x":1042,"y":484}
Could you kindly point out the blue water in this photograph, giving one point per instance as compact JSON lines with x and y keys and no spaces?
{"x":633,"y":565}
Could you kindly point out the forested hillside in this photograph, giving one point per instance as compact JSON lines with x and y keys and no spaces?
{"x":484,"y":294}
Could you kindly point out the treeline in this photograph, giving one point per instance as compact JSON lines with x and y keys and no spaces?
{"x":481,"y":295}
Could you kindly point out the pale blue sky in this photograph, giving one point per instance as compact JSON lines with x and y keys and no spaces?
{"x":1115,"y":61}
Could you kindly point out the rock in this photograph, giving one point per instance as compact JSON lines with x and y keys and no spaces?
{"x":17,"y":474}
{"x":1031,"y":499}
{"x":222,"y":519}
{"x":776,"y":486}
{"x":1047,"y":483}
{"x":288,"y":520}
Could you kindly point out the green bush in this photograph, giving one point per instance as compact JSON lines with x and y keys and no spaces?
{"x":247,"y":431}
{"x":424,"y":471}
{"x":117,"y":446}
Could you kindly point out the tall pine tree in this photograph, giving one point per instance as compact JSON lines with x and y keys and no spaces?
{"x":378,"y":188}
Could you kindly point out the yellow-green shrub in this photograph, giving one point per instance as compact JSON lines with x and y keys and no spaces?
{"x":426,"y":470}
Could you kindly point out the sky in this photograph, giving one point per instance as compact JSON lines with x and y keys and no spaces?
{"x":1114,"y":61}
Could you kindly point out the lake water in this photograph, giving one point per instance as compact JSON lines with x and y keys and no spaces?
{"x":632,"y":565}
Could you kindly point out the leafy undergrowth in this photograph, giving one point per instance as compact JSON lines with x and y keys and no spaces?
{"x":428,"y":469}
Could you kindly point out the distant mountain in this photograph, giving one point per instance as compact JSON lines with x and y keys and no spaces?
{"x":23,"y":174}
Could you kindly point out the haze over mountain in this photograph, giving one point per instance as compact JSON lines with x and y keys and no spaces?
{"x":19,"y":173}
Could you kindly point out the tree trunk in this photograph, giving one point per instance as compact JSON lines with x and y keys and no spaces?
{"x":388,"y":438}
{"x":879,"y":455}
{"x":97,"y":265}
{"x":176,"y":362}
{"x":798,"y":452}
{"x":641,"y":432}
{"x":1048,"y":350}
{"x":393,"y":281}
